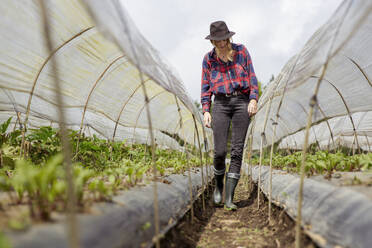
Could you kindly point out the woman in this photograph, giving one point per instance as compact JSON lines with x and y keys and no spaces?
{"x":228,"y":75}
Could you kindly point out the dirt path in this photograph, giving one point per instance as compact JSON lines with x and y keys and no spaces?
{"x":246,"y":227}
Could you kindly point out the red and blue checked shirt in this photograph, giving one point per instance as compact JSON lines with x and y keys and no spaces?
{"x":219,"y":77}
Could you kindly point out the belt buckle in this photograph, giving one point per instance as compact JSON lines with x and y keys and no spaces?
{"x":234,"y":93}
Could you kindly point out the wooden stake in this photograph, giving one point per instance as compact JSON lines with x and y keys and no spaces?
{"x":72,"y":228}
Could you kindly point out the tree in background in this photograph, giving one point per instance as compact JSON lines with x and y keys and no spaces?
{"x":198,"y":106}
{"x":259,"y":89}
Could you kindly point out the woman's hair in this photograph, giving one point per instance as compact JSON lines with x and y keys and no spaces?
{"x":230,"y":52}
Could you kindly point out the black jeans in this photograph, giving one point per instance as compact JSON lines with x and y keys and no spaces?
{"x":228,"y":110}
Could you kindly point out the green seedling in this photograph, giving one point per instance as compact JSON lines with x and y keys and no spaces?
{"x":81,"y":177}
{"x":100,"y":190}
{"x":100,"y":167}
{"x":4,"y":242}
{"x":146,"y":226}
{"x":39,"y":183}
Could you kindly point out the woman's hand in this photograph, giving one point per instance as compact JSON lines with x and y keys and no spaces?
{"x":252,"y":107}
{"x":207,"y":119}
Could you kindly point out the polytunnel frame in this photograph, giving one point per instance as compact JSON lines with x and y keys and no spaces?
{"x":275,"y":124}
{"x":50,"y":57}
{"x":326,"y":120}
{"x":185,"y":121}
{"x":13,"y":102}
{"x":91,"y":92}
{"x":47,"y":59}
{"x":368,"y":80}
{"x":144,"y":105}
{"x":286,"y":128}
{"x":313,"y":102}
{"x":181,"y":126}
{"x":196,"y":130}
{"x":369,"y":147}
{"x":294,"y":140}
{"x":95,"y":129}
{"x":322,"y":112}
{"x":188,"y":162}
{"x":306,"y":113}
{"x":154,"y":96}
{"x":263,"y":137}
{"x":177,"y":127}
{"x":138,"y":65}
{"x":345,"y":104}
{"x":304,"y":110}
{"x":167,"y":90}
{"x":360,"y":120}
{"x":271,"y":97}
{"x":18,"y":120}
{"x":89,"y":96}
{"x":124,"y":105}
{"x":356,"y":27}
{"x":360,"y":69}
{"x":324,"y":116}
{"x":71,"y":221}
{"x":130,"y":97}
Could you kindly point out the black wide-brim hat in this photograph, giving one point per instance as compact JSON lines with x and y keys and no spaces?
{"x":219,"y":31}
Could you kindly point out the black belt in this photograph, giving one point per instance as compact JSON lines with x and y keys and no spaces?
{"x":234,"y":93}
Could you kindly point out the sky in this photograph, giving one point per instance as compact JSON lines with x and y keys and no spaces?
{"x":272,"y":30}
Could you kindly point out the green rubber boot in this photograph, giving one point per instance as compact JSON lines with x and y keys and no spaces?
{"x":231,"y":182}
{"x":218,"y":189}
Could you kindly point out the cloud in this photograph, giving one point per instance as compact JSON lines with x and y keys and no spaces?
{"x":273,"y":31}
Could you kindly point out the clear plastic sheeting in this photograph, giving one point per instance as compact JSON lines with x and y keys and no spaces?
{"x":332,"y":216}
{"x":102,"y":62}
{"x":341,"y":49}
{"x":120,"y":223}
{"x":342,"y":130}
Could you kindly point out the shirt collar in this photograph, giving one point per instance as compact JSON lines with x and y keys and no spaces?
{"x":213,"y":51}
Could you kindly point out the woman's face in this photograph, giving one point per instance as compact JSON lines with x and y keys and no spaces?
{"x":220,"y":44}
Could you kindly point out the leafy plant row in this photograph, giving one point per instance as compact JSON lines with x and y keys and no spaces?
{"x":321,"y":162}
{"x":100,"y":169}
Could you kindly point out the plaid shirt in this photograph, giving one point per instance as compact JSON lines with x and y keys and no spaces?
{"x":219,"y":77}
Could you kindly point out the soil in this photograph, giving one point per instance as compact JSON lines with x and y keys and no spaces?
{"x":246,"y":227}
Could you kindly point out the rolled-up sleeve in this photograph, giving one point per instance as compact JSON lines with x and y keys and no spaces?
{"x":253,"y":85}
{"x":205,"y":86}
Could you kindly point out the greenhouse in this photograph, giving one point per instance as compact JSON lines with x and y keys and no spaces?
{"x":102,"y":146}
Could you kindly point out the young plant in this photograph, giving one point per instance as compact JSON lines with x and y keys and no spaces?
{"x":99,"y":190}
{"x":44,"y":143}
{"x":40,"y":184}
{"x":4,"y":242}
{"x":81,"y":178}
{"x":7,"y":139}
